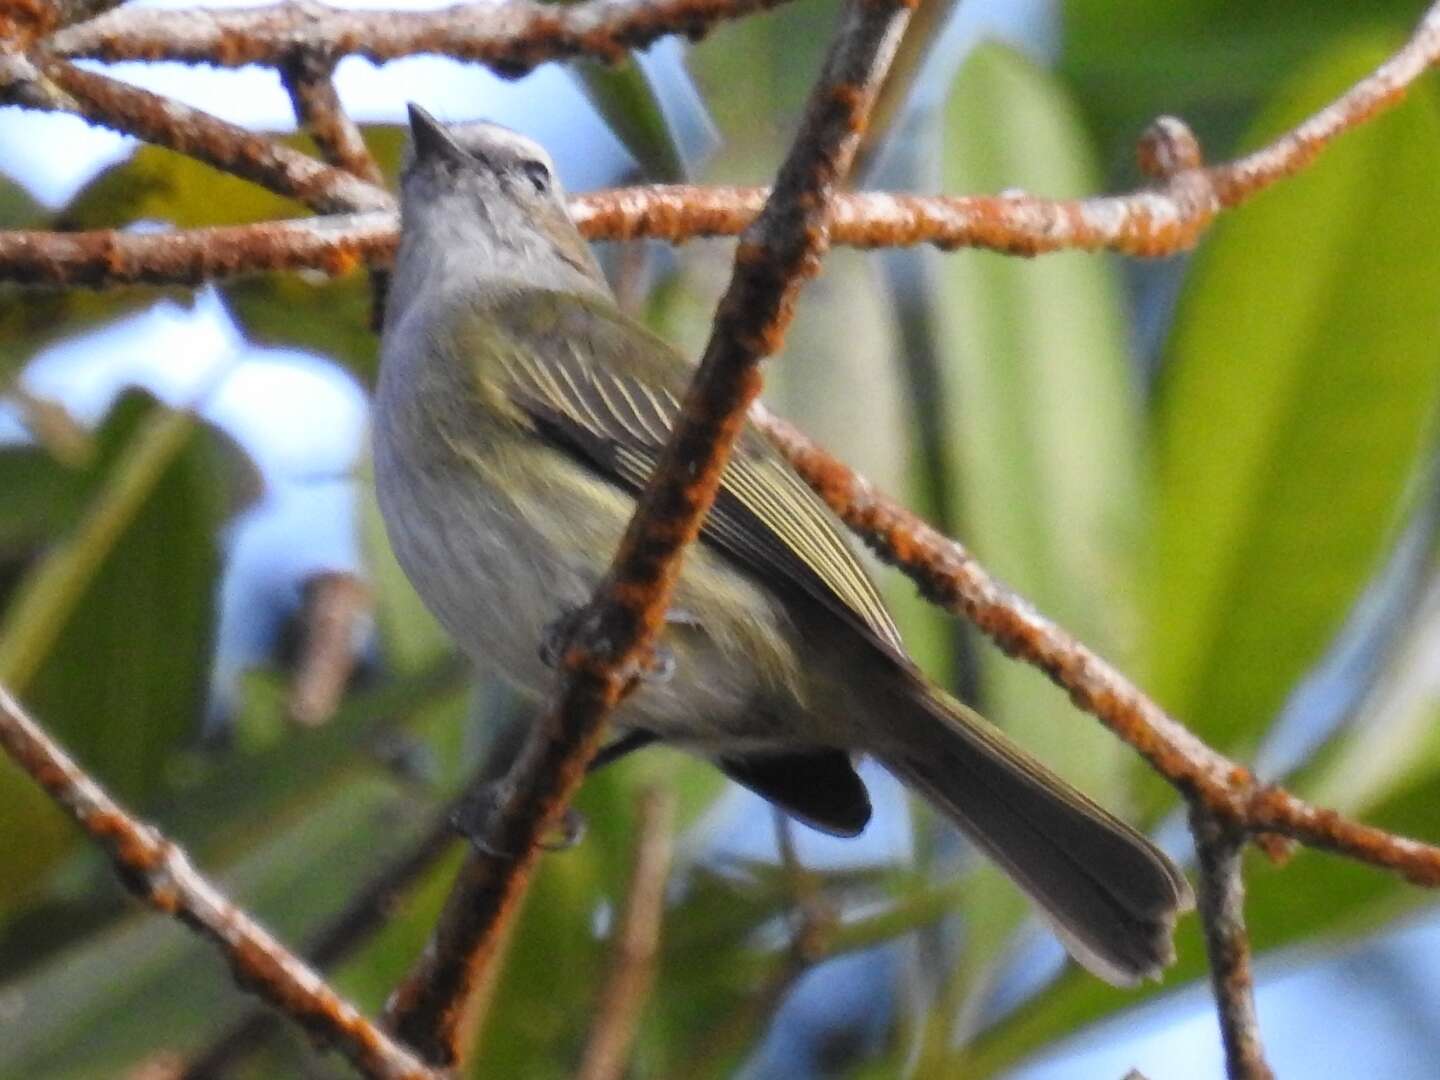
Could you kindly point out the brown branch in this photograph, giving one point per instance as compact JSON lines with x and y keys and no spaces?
{"x":614,"y":637}
{"x":159,"y":873}
{"x":635,"y":945}
{"x":334,"y":606}
{"x":367,"y":912}
{"x":1167,"y":219}
{"x":1221,"y":901}
{"x":335,"y":245}
{"x":27,"y":21}
{"x":948,"y":575}
{"x":129,"y":109}
{"x":510,"y":38}
{"x":308,"y":79}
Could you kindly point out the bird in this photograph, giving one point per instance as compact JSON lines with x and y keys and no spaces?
{"x":518,"y":415}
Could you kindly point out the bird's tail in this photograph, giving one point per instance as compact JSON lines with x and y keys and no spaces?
{"x":1112,"y":896}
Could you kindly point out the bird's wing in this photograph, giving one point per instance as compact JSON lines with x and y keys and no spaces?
{"x":546,"y":348}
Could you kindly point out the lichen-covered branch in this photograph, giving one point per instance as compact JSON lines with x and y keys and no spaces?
{"x":613,"y":642}
{"x":58,"y":84}
{"x":334,"y":245}
{"x":1221,"y":901}
{"x":159,"y":873}
{"x":1162,"y":220}
{"x":511,"y":37}
{"x":309,"y":81}
{"x":951,"y":577}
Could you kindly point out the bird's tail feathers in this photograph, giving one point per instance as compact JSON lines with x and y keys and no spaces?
{"x":1111,"y":895}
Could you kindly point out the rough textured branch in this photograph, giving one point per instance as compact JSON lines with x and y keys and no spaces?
{"x":129,"y":109}
{"x":308,"y":80}
{"x":335,"y":245}
{"x":616,"y":635}
{"x":1222,"y":912}
{"x":511,"y":38}
{"x":635,"y":944}
{"x":948,"y":575}
{"x":1160,"y":221}
{"x":159,"y":873}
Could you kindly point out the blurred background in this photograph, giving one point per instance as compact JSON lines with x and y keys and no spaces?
{"x":1218,"y":470}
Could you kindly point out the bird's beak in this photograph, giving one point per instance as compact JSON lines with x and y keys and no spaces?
{"x":431,"y":139}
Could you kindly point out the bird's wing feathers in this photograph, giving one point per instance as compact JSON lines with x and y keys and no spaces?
{"x":765,"y":518}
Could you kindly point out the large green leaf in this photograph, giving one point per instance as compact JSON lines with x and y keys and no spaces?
{"x":108,"y":635}
{"x":1042,"y":417}
{"x":1289,"y":284}
{"x":150,"y":985}
{"x":623,"y":95}
{"x":1209,"y":61}
{"x":1300,"y":391}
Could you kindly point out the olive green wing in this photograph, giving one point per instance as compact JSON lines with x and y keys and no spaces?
{"x":617,"y":421}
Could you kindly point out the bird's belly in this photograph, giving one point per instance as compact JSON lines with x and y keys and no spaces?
{"x":498,"y":585}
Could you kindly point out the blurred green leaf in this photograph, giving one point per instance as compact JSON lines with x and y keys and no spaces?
{"x":1043,"y":422}
{"x":80,"y":1020}
{"x":1209,"y":61}
{"x":757,"y":83}
{"x":17,"y":209}
{"x":1299,"y":395}
{"x":1393,"y":742}
{"x":625,"y":99}
{"x":108,"y":637}
{"x":43,"y":498}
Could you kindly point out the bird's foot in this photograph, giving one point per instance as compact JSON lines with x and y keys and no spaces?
{"x":558,"y":636}
{"x":475,"y":813}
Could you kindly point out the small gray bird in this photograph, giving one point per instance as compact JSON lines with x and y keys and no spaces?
{"x":518,"y":415}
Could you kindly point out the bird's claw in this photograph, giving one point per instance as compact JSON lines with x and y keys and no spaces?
{"x":557,"y":636}
{"x":476,"y":809}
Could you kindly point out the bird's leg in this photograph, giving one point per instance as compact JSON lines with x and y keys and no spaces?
{"x":558,"y":635}
{"x":472,"y":814}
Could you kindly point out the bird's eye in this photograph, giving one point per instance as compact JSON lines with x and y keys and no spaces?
{"x":537,"y":174}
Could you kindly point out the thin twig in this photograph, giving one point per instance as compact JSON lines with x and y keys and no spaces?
{"x":813,"y":939}
{"x":635,"y":944}
{"x":159,"y":873}
{"x":615,"y":636}
{"x":1221,"y":901}
{"x":510,"y":38}
{"x":165,"y":122}
{"x":370,"y":909}
{"x":309,"y":80}
{"x":333,"y":609}
{"x":367,"y":912}
{"x":27,"y":21}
